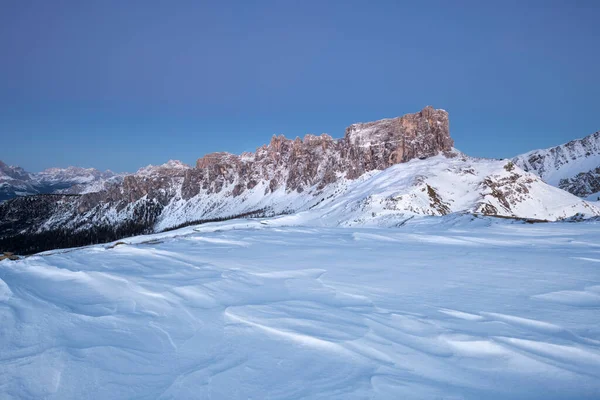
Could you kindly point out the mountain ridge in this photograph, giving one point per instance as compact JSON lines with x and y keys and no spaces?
{"x":573,"y":166}
{"x":16,"y":181}
{"x":288,"y":176}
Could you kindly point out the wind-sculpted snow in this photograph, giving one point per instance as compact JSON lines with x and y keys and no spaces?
{"x":455,"y":307}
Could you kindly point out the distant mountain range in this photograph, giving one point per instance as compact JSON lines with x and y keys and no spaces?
{"x":380,"y":173}
{"x":15,"y":181}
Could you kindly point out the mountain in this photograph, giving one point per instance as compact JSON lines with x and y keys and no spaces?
{"x":445,"y":184}
{"x":379,"y":173}
{"x":573,"y":166}
{"x":15,"y":181}
{"x":62,"y":178}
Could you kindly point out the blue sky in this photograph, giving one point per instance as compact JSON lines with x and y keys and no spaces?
{"x":123,"y":84}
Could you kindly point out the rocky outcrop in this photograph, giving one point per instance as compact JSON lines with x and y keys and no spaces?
{"x":297,"y":164}
{"x":584,"y":184}
{"x":381,"y":144}
{"x":7,"y":255}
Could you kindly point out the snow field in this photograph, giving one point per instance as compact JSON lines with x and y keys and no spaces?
{"x":257,"y":309}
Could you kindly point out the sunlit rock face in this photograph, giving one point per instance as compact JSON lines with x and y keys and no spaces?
{"x":297,"y":164}
{"x":381,"y":144}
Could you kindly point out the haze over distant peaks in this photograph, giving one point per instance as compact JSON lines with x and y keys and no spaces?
{"x":15,"y":181}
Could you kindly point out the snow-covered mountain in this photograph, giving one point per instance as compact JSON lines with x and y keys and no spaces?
{"x":71,"y":176}
{"x":573,"y":166}
{"x":381,"y":173}
{"x":445,"y":184}
{"x":439,"y":185}
{"x":15,"y":181}
{"x":8,"y":172}
{"x":171,"y":167}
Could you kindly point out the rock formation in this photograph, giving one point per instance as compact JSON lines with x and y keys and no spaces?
{"x":298,"y":164}
{"x":584,"y":184}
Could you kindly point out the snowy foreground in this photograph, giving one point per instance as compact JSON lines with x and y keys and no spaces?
{"x":258,"y":310}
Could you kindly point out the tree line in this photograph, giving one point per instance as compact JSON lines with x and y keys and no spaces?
{"x":31,"y":243}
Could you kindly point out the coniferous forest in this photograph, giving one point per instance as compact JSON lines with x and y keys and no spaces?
{"x":30,"y":243}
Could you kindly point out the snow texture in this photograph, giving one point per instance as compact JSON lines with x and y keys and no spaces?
{"x":453,"y":307}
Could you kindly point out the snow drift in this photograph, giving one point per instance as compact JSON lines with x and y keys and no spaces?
{"x":264,"y":309}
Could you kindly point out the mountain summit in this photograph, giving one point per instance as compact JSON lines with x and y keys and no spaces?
{"x":298,"y":164}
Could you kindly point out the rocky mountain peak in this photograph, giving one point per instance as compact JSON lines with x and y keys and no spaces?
{"x":381,"y":144}
{"x":11,"y":172}
{"x":170,"y":168}
{"x":71,"y":176}
{"x":215,"y":159}
{"x":296,"y":164}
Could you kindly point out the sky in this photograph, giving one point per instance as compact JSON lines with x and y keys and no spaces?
{"x":122,"y":84}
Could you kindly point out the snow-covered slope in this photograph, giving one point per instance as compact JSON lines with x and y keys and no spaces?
{"x":570,"y":166}
{"x":251,"y":310}
{"x":436,"y":186}
{"x":442,"y":185}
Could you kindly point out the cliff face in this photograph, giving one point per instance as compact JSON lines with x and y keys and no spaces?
{"x":381,"y":144}
{"x":320,"y":160}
